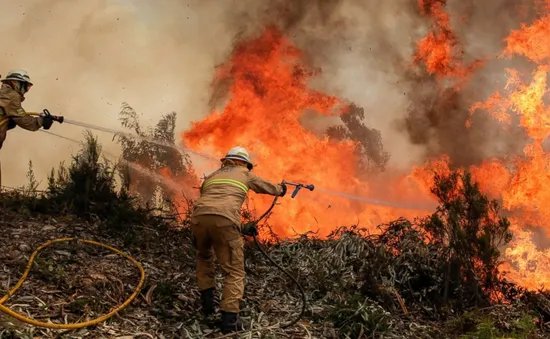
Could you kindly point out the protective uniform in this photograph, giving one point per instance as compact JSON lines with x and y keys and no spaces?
{"x":12,"y":94}
{"x":216,"y":227}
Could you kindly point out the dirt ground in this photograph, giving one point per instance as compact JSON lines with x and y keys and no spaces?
{"x":73,"y":282}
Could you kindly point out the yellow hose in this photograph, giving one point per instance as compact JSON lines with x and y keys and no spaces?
{"x":30,"y":321}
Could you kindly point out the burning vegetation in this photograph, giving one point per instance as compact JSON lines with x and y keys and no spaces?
{"x":434,"y":276}
{"x":266,"y":86}
{"x":476,"y":266}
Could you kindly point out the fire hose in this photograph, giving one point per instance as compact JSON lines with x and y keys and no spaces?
{"x":45,"y":112}
{"x":22,"y":318}
{"x":302,"y":291}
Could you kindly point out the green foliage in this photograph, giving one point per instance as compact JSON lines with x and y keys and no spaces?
{"x":153,"y":152}
{"x":487,"y":328}
{"x":468,"y":232}
{"x":33,"y":184}
{"x":361,"y":319}
{"x":88,"y":189}
{"x":436,"y":267}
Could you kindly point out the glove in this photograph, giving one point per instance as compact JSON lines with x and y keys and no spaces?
{"x":47,"y":120}
{"x":250,"y":229}
{"x":283,"y":186}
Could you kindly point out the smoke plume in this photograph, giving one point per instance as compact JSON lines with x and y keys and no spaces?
{"x":88,"y":56}
{"x":365,"y":51}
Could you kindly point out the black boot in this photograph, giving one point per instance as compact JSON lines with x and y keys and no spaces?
{"x":207,"y":299}
{"x":230,"y":323}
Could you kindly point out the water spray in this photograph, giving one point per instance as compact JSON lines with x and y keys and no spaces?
{"x":135,"y":136}
{"x":377,"y":202}
{"x":311,"y":187}
{"x":169,"y":183}
{"x":173,"y":185}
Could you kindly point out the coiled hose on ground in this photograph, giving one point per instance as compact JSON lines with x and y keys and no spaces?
{"x":96,"y":321}
{"x":24,"y":319}
{"x":302,"y":291}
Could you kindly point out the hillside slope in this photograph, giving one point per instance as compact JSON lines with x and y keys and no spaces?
{"x":412,"y":280}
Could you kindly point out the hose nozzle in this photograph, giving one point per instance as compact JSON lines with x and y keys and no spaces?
{"x":298,"y":187}
{"x":58,"y":118}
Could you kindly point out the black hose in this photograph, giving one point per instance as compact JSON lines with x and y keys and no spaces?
{"x":302,"y":291}
{"x":304,"y":298}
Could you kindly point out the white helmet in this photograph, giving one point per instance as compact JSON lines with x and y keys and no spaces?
{"x":18,"y":75}
{"x":239,"y":153}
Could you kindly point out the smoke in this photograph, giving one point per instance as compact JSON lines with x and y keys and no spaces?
{"x":438,"y":112}
{"x":365,"y":51}
{"x":88,"y":56}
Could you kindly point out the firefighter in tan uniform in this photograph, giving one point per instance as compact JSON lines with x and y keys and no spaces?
{"x":12,"y":94}
{"x":216,"y":227}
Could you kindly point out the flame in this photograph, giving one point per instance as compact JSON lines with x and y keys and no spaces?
{"x":521,"y":182}
{"x":440,"y":49}
{"x":267,"y":94}
{"x":526,"y":264}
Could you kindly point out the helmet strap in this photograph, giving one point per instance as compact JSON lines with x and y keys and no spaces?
{"x":20,"y":86}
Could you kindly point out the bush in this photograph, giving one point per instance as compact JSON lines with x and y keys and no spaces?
{"x":468,"y":232}
{"x":88,"y":189}
{"x":154,"y":150}
{"x":436,"y":267}
{"x":117,"y":194}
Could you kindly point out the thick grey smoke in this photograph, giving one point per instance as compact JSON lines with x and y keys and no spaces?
{"x":365,"y":50}
{"x":88,"y":56}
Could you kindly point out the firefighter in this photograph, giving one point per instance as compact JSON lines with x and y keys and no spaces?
{"x":216,"y":227}
{"x":12,"y":93}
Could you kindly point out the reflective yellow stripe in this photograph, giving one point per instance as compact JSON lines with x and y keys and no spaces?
{"x":226,"y":181}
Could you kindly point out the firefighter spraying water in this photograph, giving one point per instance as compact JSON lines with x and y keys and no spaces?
{"x":216,"y":226}
{"x":12,"y":94}
{"x":215,"y":219}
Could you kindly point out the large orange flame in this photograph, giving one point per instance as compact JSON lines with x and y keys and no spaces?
{"x":268,"y":93}
{"x":440,"y":49}
{"x":525,"y":189}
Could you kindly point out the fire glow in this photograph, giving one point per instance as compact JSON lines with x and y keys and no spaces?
{"x":268,"y":92}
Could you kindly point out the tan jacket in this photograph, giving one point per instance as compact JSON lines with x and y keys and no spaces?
{"x":11,"y":110}
{"x":224,"y":191}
